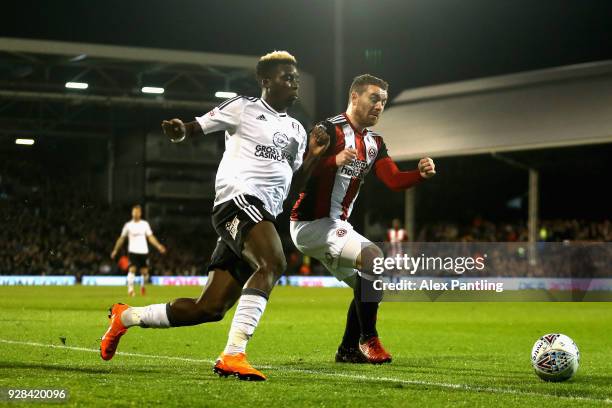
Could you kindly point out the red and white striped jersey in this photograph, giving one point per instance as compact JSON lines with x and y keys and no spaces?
{"x":331,"y":191}
{"x":397,"y":235}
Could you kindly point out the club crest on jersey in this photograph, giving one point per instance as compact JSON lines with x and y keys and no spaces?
{"x":280,"y":140}
{"x":372,"y":152}
{"x":232,"y":227}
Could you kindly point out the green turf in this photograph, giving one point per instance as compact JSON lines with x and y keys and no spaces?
{"x":457,"y":354}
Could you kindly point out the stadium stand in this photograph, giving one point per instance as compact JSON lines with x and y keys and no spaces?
{"x":55,"y":226}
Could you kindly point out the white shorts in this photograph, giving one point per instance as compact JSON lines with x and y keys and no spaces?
{"x":333,"y":242}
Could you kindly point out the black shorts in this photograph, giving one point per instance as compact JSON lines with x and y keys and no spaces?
{"x":138,"y":260}
{"x":232,"y":221}
{"x":224,"y":258}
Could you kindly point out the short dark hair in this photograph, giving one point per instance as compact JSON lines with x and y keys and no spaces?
{"x":361,"y":81}
{"x":137,"y":206}
{"x":268,"y":62}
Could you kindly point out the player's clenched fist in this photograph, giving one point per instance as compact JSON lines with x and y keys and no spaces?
{"x":174,"y":129}
{"x":346,"y":156}
{"x":318,"y":141}
{"x":427,"y":167}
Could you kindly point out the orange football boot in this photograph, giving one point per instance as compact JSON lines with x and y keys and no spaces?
{"x":238,"y":366}
{"x":374,"y":351}
{"x":116,"y":329}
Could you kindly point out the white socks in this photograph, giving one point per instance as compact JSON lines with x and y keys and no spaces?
{"x":131,"y":276}
{"x":251,"y":306}
{"x":149,"y":316}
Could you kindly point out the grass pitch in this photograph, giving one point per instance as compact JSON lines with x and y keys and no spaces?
{"x":444,"y":354}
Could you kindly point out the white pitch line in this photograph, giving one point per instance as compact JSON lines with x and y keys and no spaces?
{"x":97,"y":351}
{"x":360,"y":377}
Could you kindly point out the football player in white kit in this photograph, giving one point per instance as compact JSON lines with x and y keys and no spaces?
{"x":319,"y":219}
{"x":264,"y":155}
{"x":138,"y":232}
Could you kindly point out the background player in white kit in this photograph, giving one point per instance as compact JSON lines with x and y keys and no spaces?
{"x":319,"y":219}
{"x":139,"y":234}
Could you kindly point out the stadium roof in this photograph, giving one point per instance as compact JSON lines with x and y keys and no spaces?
{"x":34,"y":96}
{"x":37,"y":68}
{"x":562,"y":106}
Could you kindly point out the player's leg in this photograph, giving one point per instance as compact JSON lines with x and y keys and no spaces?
{"x":348,"y":256}
{"x":131,"y":277}
{"x":144,"y":276}
{"x":263,"y":251}
{"x":226,"y":277}
{"x":359,"y":254}
{"x":348,"y":351}
{"x":220,"y":294}
{"x":324,"y":240}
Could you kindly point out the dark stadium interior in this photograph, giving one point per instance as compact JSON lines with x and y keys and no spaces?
{"x":474,"y":269}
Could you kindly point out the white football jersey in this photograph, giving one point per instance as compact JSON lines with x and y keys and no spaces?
{"x":263,"y":148}
{"x":137,"y":233}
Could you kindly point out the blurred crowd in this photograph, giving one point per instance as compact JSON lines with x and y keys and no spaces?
{"x":564,"y":248}
{"x":481,"y":230}
{"x":61,"y":228}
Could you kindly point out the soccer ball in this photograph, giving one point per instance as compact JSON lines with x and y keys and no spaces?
{"x":555,"y":357}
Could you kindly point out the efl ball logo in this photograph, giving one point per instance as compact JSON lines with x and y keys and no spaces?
{"x":372,"y":152}
{"x":340,"y":232}
{"x":555,"y":357}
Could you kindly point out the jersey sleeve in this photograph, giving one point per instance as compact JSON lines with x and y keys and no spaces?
{"x":224,"y":117}
{"x":148,"y":230}
{"x":388,"y":172}
{"x":382,"y":152}
{"x":327,"y":165}
{"x":124,"y":231}
{"x":299,"y":157}
{"x":330,"y":129}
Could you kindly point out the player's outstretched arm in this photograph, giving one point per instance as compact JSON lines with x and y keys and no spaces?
{"x":153,"y":241}
{"x":318,"y":142}
{"x":118,"y":246}
{"x":388,"y":172}
{"x":177,"y":131}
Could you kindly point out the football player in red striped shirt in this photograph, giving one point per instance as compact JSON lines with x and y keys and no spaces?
{"x":319,"y":218}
